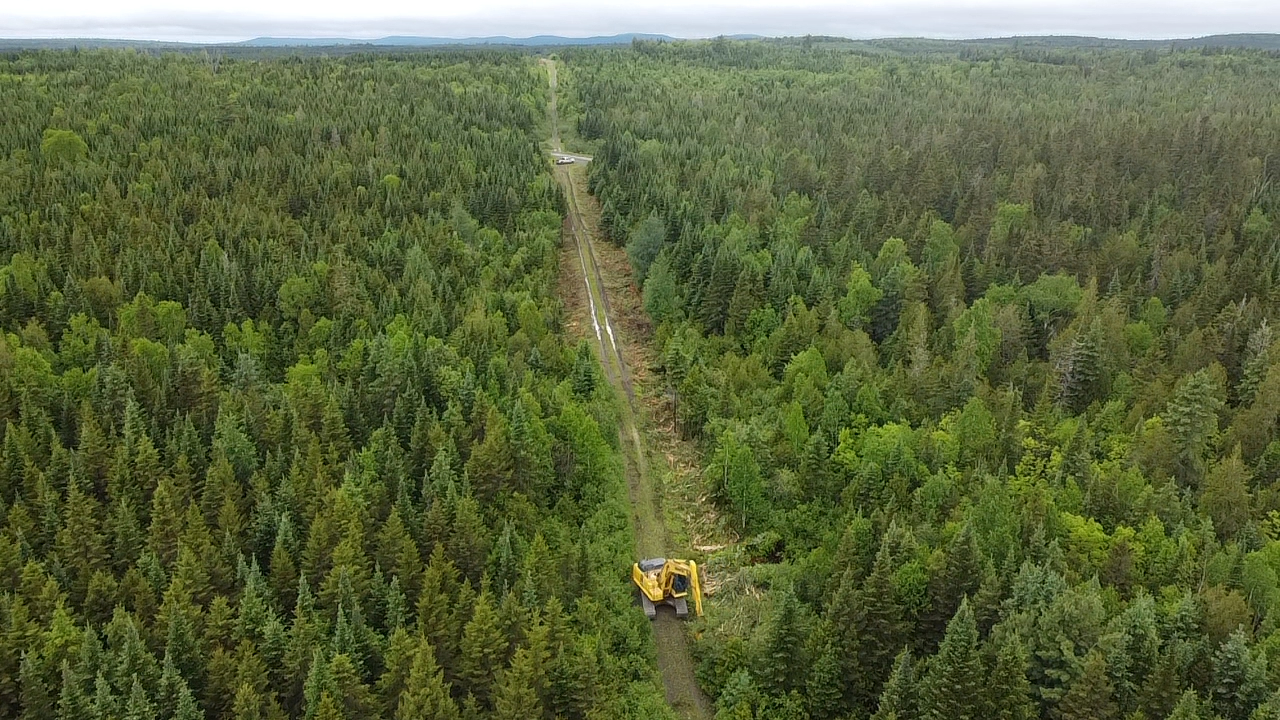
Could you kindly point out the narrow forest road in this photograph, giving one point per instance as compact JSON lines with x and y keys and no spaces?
{"x":674,"y":660}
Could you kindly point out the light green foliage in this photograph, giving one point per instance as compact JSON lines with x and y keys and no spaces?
{"x":661,"y":293}
{"x":860,"y":296}
{"x":61,"y":146}
{"x":1226,"y":497}
{"x":1053,"y":296}
{"x":734,"y":476}
{"x":976,"y":327}
{"x":1192,"y":418}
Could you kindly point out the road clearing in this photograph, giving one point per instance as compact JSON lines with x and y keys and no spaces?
{"x":674,"y":660}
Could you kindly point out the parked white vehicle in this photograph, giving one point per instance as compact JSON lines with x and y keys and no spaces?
{"x":563,"y":160}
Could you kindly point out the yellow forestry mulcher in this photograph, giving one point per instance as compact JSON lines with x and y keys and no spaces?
{"x":671,"y":582}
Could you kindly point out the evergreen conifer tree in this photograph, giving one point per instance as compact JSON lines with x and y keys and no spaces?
{"x":960,"y":576}
{"x":1008,"y":691}
{"x":1092,"y":695}
{"x":483,"y":648}
{"x":1239,"y":678}
{"x":900,"y":696}
{"x":516,"y":696}
{"x":782,"y":666}
{"x":953,"y":686}
{"x":73,"y":702}
{"x":426,"y":694}
{"x":1188,"y":707}
{"x":824,"y":687}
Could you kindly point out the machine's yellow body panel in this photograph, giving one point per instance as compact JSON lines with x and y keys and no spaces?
{"x":668,"y":581}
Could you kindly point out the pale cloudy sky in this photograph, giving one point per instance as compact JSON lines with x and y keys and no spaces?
{"x":241,"y":19}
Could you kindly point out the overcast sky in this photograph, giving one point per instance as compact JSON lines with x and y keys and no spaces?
{"x":242,"y":19}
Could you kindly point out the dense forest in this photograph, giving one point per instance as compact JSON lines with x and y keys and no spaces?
{"x":981,"y":351}
{"x":977,"y":343}
{"x":291,"y":426}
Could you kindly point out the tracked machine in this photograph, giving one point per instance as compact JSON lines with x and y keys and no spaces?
{"x":668,"y":582}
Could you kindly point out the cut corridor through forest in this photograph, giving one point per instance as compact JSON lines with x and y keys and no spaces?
{"x":674,"y":660}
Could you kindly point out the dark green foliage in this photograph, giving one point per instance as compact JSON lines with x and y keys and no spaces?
{"x":900,"y":697}
{"x":1007,"y":691}
{"x":824,"y":688}
{"x":643,"y":245}
{"x":960,"y":576}
{"x":953,"y":686}
{"x":782,"y":666}
{"x":283,"y":384}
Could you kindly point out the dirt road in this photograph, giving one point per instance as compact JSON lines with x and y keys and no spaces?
{"x":674,"y":660}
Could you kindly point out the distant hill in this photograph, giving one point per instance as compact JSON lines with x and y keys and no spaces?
{"x":904,"y":45}
{"x":1254,"y":41}
{"x":419,"y":41}
{"x":86,"y":43}
{"x":394,"y":41}
{"x":1257,"y":41}
{"x":918,"y":45}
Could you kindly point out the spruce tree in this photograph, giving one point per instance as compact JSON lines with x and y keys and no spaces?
{"x":1082,"y":379}
{"x":954,"y":683}
{"x":73,"y":702}
{"x":36,"y":700}
{"x":900,"y":696}
{"x":437,"y":608}
{"x":1239,"y":678}
{"x":823,"y":688}
{"x":138,"y":706}
{"x":283,"y":571}
{"x":1091,"y":696}
{"x":397,"y":659}
{"x":1192,"y":419}
{"x":782,"y":666}
{"x":1269,"y":710}
{"x":247,"y":704}
{"x":960,"y":576}
{"x":483,"y":648}
{"x":426,"y":694}
{"x":585,"y":375}
{"x":1189,"y":707}
{"x":516,"y":696}
{"x":1160,"y":692}
{"x":1008,"y":692}
{"x":358,"y":702}
{"x":397,"y":554}
{"x":187,"y":708}
{"x":166,"y":522}
{"x":105,"y":702}
{"x":868,"y":620}
{"x":328,"y":708}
